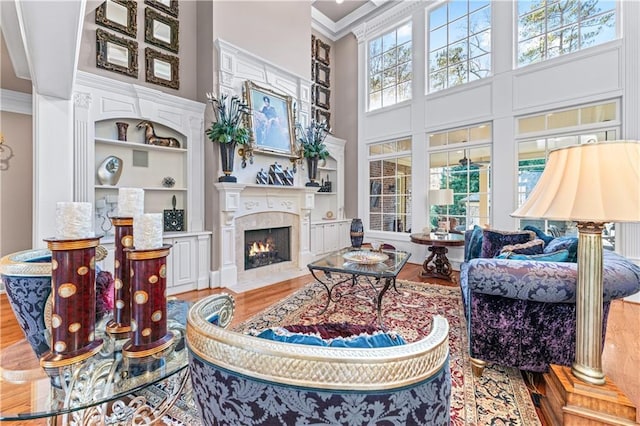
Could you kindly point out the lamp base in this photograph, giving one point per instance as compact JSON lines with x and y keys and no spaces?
{"x":571,"y":401}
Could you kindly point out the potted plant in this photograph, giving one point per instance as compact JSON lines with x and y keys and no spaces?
{"x":312,"y":139}
{"x":228,"y":130}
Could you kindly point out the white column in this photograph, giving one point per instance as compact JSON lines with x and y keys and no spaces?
{"x":229,"y":203}
{"x":53,"y":162}
{"x":307,"y":204}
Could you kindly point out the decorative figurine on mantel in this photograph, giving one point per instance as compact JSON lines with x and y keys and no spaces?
{"x":150,"y":137}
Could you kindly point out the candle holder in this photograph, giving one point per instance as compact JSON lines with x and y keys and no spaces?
{"x":73,"y":291}
{"x":120,"y":325}
{"x":148,"y":302}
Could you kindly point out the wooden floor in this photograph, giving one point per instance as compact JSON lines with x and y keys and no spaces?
{"x":618,"y":345}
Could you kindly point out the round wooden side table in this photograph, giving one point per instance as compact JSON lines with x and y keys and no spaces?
{"x":437,"y":265}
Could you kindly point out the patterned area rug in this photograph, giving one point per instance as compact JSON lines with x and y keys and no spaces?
{"x":500,"y":396}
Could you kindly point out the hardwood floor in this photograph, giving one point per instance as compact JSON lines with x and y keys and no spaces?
{"x":620,"y":359}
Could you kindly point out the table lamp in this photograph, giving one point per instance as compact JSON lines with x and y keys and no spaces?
{"x":441,"y":197}
{"x":591,"y":184}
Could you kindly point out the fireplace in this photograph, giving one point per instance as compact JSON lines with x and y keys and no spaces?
{"x":268,"y":246}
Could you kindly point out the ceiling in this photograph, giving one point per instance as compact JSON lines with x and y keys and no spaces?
{"x":335,"y":20}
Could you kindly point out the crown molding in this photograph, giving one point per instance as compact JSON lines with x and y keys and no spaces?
{"x":17,"y":102}
{"x":379,"y":23}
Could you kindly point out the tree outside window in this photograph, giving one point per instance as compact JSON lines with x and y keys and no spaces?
{"x":547,"y":29}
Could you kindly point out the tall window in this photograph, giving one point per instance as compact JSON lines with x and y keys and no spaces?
{"x":557,"y":129}
{"x":390,"y":71}
{"x":390,"y":186}
{"x":551,"y":28}
{"x":460,"y":160}
{"x":459,"y":43}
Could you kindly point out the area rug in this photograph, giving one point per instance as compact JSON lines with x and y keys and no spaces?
{"x":499,"y":397}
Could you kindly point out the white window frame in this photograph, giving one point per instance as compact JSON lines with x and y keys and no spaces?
{"x":545,"y":56}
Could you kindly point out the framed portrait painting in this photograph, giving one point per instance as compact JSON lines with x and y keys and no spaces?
{"x":271,"y":121}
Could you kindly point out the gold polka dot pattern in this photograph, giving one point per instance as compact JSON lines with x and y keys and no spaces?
{"x":74,"y":327}
{"x":83,"y":270}
{"x":153,"y":279}
{"x":127,"y":241}
{"x":60,"y":346}
{"x":54,"y":264}
{"x":163,"y":271}
{"x":156,"y":316}
{"x":56,"y":321}
{"x":67,"y":290}
{"x":141,"y":297}
{"x":146,"y":332}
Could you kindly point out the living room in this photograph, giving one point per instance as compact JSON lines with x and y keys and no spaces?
{"x":222,"y":44}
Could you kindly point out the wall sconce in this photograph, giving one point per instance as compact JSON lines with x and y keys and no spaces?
{"x":6,"y":153}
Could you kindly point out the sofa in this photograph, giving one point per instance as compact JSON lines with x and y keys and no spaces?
{"x":240,"y":378}
{"x":521,"y":310}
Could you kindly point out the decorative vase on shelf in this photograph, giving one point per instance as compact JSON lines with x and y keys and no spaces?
{"x":122,"y":130}
{"x":356,"y":232}
{"x":110,"y":170}
{"x":312,"y":171}
{"x":227,"y":151}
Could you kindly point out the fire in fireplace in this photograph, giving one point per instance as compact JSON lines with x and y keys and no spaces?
{"x":266,"y":246}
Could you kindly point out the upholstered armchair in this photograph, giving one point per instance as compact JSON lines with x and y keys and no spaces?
{"x":242,"y":379}
{"x":521,"y":313}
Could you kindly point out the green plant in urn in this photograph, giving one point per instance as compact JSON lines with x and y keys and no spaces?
{"x":228,"y":130}
{"x":314,"y":149}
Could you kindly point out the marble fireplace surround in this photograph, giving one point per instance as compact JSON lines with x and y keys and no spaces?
{"x":251,"y":206}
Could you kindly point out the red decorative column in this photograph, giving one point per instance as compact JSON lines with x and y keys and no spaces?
{"x":148,"y":302}
{"x":120,"y":325}
{"x":73,"y":291}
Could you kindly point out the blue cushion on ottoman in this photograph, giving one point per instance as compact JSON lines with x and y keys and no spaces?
{"x":378,"y":339}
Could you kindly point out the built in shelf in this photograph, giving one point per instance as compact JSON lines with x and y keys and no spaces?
{"x":326,"y":193}
{"x":137,"y":145}
{"x":145,"y":188}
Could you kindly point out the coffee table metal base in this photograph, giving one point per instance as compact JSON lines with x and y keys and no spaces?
{"x":358,"y":284}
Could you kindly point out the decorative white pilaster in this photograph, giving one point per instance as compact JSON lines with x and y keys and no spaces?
{"x":229,"y":203}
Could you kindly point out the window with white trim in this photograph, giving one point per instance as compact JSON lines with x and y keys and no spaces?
{"x":550,"y":28}
{"x":539,"y":134}
{"x":390,"y":186}
{"x":460,"y":160}
{"x":390,"y":68}
{"x":459,"y":43}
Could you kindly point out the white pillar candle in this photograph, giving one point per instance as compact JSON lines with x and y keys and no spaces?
{"x":73,"y":220}
{"x":130,"y":202}
{"x":147,"y":231}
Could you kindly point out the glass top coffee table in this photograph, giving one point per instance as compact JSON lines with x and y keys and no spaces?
{"x":102,"y":389}
{"x":354,"y":270}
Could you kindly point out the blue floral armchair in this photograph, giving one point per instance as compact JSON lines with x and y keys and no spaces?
{"x":521,"y":313}
{"x":239,"y":379}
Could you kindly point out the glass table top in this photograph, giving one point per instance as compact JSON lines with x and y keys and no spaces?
{"x":27,"y":391}
{"x":385,"y":263}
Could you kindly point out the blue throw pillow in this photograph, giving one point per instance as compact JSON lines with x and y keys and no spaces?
{"x":557,"y":256}
{"x":474,"y":247}
{"x":376,"y":340}
{"x":568,"y":243}
{"x":493,"y":240}
{"x":539,"y":233}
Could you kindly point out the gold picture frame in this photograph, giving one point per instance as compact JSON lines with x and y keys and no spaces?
{"x":322,"y":115}
{"x":322,"y":52}
{"x":322,"y":74}
{"x":322,"y":95}
{"x":162,"y":69}
{"x":161,"y":31}
{"x":167,"y":6}
{"x":118,"y":15}
{"x":271,"y":121}
{"x":116,"y":54}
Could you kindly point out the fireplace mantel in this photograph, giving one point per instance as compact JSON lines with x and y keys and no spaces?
{"x":293,"y":204}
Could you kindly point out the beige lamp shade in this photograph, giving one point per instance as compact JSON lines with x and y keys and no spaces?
{"x":597,"y":182}
{"x":440,"y":197}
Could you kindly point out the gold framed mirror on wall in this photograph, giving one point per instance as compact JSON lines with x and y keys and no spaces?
{"x":118,"y":15}
{"x":162,"y":69}
{"x":161,"y":30}
{"x":116,"y":54}
{"x":167,"y":6}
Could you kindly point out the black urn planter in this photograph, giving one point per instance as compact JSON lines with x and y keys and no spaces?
{"x":312,"y":171}
{"x":227,"y":151}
